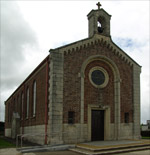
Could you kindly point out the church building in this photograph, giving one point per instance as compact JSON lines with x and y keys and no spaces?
{"x":88,"y":90}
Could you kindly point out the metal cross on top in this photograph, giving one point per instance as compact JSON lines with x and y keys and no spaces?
{"x":99,"y":5}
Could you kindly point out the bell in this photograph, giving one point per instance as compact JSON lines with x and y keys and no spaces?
{"x":100,"y":29}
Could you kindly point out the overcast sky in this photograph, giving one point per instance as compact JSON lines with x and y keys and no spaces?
{"x":30,"y":28}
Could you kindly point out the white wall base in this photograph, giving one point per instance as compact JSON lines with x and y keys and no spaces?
{"x":35,"y":134}
{"x":126,"y":131}
{"x":72,"y":133}
{"x":8,"y":132}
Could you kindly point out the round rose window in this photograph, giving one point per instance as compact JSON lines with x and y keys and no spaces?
{"x":98,"y":77}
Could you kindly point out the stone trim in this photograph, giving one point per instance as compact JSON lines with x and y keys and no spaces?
{"x":56,"y":97}
{"x":105,"y":74}
{"x":95,"y":40}
{"x":117,"y":81}
{"x":136,"y":101}
{"x":106,"y":120}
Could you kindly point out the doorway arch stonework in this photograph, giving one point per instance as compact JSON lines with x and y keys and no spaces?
{"x":116,"y":101}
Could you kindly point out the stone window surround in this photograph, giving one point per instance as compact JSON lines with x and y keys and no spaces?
{"x":105,"y":74}
{"x":106,"y":120}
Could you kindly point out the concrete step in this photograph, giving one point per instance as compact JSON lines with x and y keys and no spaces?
{"x":98,"y":149}
{"x":45,"y":148}
{"x":103,"y":152}
{"x":111,"y":147}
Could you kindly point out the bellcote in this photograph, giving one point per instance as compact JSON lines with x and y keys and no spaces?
{"x":99,"y":22}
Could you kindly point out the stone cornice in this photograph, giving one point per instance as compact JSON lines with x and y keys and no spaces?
{"x":101,"y":10}
{"x":95,"y":40}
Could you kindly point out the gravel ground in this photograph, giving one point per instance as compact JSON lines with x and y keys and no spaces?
{"x":58,"y":153}
{"x":12,"y":151}
{"x":9,"y":151}
{"x":145,"y":152}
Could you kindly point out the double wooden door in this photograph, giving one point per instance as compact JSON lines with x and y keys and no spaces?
{"x":97,"y":125}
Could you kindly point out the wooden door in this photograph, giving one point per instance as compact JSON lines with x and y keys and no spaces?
{"x":97,"y":125}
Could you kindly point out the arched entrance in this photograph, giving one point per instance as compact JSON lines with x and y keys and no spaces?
{"x":101,"y":111}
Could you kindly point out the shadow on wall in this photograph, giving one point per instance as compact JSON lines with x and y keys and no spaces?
{"x":2,"y":124}
{"x":145,"y":134}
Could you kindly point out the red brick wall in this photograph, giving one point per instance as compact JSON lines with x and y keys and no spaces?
{"x":72,"y":83}
{"x":91,"y":93}
{"x":126,"y":73}
{"x":40,"y":107}
{"x":40,"y":77}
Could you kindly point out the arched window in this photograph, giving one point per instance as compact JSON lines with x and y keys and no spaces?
{"x":8,"y":112}
{"x":22,"y":104}
{"x":18,"y":105}
{"x":34,"y":98}
{"x":14,"y":106}
{"x":27,"y":114}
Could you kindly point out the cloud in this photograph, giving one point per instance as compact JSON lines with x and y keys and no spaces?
{"x":139,"y":50}
{"x":57,"y":23}
{"x":16,"y":36}
{"x":130,"y":31}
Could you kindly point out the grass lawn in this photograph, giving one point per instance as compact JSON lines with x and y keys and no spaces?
{"x":5,"y":144}
{"x":145,"y":137}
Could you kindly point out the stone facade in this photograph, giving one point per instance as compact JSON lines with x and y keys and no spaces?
{"x":67,"y":95}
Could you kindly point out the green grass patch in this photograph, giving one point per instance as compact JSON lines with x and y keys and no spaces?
{"x":5,"y":144}
{"x":145,"y":137}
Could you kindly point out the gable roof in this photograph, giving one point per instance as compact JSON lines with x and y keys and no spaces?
{"x":103,"y":40}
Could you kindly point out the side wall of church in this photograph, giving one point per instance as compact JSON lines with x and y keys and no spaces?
{"x":33,"y":124}
{"x":72,"y":88}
